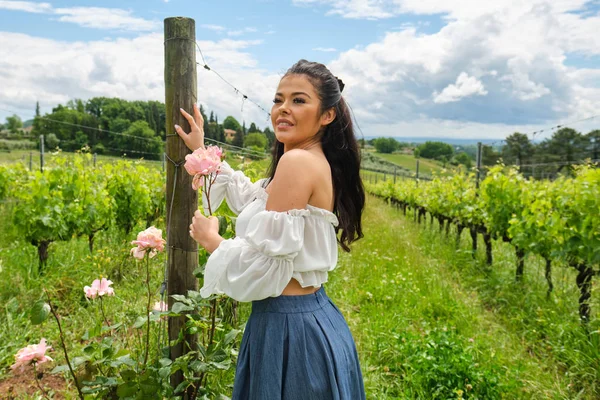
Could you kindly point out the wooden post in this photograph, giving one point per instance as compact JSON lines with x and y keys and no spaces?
{"x":417,"y":174}
{"x":180,"y":92}
{"x":41,"y":153}
{"x":478,"y":165}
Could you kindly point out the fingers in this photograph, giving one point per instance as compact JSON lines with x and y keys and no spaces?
{"x":198,"y":116}
{"x":181,"y":133}
{"x":189,"y":118}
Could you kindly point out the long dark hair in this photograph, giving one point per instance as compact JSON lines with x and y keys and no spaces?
{"x":340,"y":148}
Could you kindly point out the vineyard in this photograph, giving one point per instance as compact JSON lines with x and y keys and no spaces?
{"x":556,"y":220}
{"x":74,"y":222}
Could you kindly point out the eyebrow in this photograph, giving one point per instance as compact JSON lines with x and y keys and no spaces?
{"x":294,"y":94}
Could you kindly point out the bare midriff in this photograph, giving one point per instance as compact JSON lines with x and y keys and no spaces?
{"x":294,"y":289}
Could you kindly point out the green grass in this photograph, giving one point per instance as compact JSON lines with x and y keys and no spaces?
{"x":428,"y":320}
{"x":426,"y":167}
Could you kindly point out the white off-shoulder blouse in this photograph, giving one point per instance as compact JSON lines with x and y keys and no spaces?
{"x":270,"y":247}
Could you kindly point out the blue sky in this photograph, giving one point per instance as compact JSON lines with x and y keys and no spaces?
{"x":412,"y":67}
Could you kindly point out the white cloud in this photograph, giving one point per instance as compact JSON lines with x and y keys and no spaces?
{"x":216,"y":28}
{"x":240,"y":32}
{"x":509,"y":58}
{"x":26,"y":6}
{"x":325,"y":49}
{"x":494,"y":68}
{"x":465,"y":86}
{"x":132,"y":69}
{"x":355,"y":9}
{"x":89,"y":17}
{"x":105,"y":18}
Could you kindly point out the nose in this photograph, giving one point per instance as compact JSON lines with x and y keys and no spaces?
{"x":283,"y":108}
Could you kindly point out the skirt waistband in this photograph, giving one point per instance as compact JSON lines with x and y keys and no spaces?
{"x":292,"y":304}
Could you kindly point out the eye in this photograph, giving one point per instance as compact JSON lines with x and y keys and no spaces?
{"x":299,"y":100}
{"x":276,"y":101}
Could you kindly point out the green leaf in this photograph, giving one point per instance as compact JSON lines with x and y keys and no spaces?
{"x":178,"y":308}
{"x":127,"y":389}
{"x":181,"y":387}
{"x":164,"y":372}
{"x":139,"y":322}
{"x":128,"y":375}
{"x":59,"y":369}
{"x":164,"y":362}
{"x":39,"y":312}
{"x":222,"y":225}
{"x":180,"y":297}
{"x":230,"y":336}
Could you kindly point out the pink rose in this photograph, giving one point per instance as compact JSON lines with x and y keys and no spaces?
{"x":203,"y":162}
{"x":99,"y":288}
{"x":30,"y":354}
{"x":150,"y":239}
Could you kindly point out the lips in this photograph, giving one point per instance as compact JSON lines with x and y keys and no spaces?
{"x":282,"y":123}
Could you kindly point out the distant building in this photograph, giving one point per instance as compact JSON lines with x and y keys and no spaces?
{"x":229,"y":134}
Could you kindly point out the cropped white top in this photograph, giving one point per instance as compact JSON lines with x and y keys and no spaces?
{"x":270,"y":247}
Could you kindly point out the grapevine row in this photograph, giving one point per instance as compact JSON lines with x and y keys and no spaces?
{"x":71,"y":198}
{"x":558,"y":221}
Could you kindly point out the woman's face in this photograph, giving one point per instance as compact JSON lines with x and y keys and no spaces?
{"x":296,"y":112}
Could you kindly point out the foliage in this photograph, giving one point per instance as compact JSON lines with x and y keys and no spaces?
{"x":14,"y":123}
{"x":231,"y":123}
{"x":386,"y":145}
{"x":435,"y":150}
{"x":257,"y":140}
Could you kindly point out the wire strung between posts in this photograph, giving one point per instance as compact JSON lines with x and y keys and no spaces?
{"x":562,"y":125}
{"x":92,"y":128}
{"x":204,"y":65}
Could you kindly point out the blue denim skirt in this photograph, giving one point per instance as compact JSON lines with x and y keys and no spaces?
{"x":297,"y":348}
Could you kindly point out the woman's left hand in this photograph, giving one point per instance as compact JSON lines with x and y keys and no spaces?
{"x":205,"y":231}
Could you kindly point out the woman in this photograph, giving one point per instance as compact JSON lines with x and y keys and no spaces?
{"x":297,"y":344}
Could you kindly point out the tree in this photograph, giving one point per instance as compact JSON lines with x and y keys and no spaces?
{"x":37,"y":108}
{"x":464,"y":159}
{"x":594,"y":138}
{"x":256,"y":139}
{"x":386,"y":145}
{"x":212,"y":117}
{"x":253,"y":128}
{"x":231,"y":123}
{"x":221,"y":137}
{"x":568,"y":144}
{"x":14,"y":123}
{"x":436,"y":150}
{"x":518,"y":149}
{"x":238,"y":139}
{"x":51,"y":140}
{"x":489,"y":156}
{"x":270,"y":136}
{"x":244,"y":130}
{"x":204,"y":118}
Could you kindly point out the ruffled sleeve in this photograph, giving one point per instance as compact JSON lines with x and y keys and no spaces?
{"x":259,"y":264}
{"x":233,"y":186}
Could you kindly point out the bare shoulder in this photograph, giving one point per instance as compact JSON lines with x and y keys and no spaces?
{"x":293,"y":183}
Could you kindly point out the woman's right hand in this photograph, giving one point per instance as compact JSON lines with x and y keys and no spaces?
{"x":195,"y":138}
